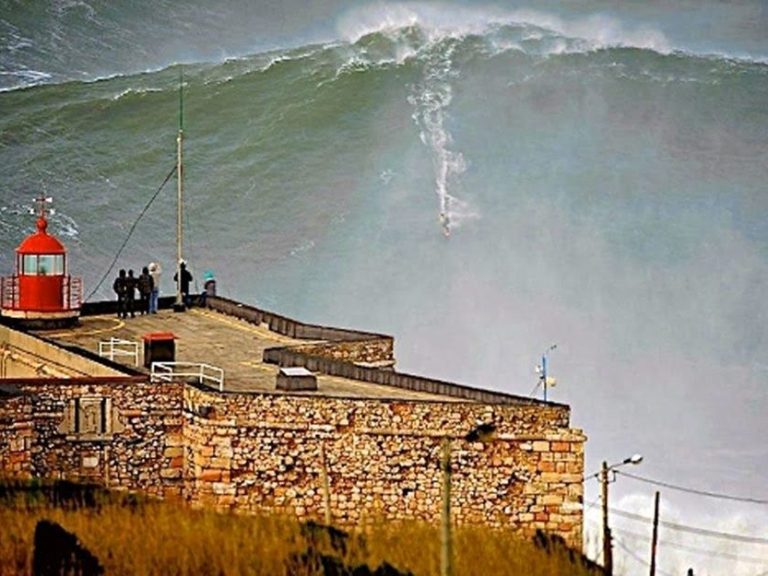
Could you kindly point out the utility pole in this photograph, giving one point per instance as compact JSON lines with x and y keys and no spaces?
{"x":604,"y":480}
{"x":446,"y":551}
{"x":607,"y":549}
{"x":655,"y":538}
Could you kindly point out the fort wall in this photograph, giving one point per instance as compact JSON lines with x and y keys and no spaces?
{"x":263,"y":452}
{"x":123,"y":432}
{"x":268,"y":450}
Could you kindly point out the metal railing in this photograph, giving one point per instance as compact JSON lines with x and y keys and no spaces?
{"x":9,"y":291}
{"x":73,"y":292}
{"x":116,"y":347}
{"x":205,"y":373}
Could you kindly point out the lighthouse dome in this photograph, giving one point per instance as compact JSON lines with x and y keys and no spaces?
{"x":41,"y":242}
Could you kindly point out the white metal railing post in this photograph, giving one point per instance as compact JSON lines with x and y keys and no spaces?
{"x":203,"y":373}
{"x":117,"y":347}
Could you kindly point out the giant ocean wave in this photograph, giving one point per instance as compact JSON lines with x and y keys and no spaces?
{"x":603,"y":184}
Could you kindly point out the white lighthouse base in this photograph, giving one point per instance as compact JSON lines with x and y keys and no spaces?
{"x":41,"y":319}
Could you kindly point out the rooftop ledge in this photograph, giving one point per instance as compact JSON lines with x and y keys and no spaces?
{"x":251,"y":345}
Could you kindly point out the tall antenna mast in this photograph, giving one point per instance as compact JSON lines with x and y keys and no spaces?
{"x":179,"y":306}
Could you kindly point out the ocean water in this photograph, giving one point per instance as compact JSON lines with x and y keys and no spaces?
{"x":600,"y":169}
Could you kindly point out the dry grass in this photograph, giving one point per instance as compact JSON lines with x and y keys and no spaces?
{"x":168,"y":539}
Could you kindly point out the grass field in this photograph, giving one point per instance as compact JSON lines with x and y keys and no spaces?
{"x":166,"y":538}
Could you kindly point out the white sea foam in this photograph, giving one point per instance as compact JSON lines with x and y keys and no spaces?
{"x":129,"y":91}
{"x":431,"y":98}
{"x":65,"y":225}
{"x":433,"y":19}
{"x":305,"y":246}
{"x":386,"y":175}
{"x":596,"y":31}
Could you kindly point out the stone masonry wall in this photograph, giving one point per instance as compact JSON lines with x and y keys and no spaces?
{"x":126,"y":434}
{"x":262,"y":452}
{"x":367,"y":351}
{"x":16,"y":433}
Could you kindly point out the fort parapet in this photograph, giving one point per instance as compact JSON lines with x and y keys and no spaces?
{"x":246,"y":445}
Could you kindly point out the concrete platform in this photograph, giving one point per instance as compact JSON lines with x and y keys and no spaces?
{"x":234,"y":345}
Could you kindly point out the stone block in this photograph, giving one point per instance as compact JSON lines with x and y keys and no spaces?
{"x":221,"y":462}
{"x":209,"y":475}
{"x":223,"y":451}
{"x":546,"y":466}
{"x":173,"y":452}
{"x":570,"y":478}
{"x":551,"y":477}
{"x":223,"y":488}
{"x":170,"y":473}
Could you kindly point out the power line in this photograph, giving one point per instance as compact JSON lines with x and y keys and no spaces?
{"x":693,"y":529}
{"x":693,"y":490}
{"x":727,"y":555}
{"x":130,"y":232}
{"x":592,"y":504}
{"x":636,"y":557}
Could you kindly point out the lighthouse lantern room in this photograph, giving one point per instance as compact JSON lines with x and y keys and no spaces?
{"x":41,"y":293}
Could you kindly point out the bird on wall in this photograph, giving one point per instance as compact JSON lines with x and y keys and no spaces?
{"x":483,"y":432}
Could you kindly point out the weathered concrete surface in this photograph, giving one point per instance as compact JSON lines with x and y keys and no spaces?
{"x":234,"y":345}
{"x":26,"y":356}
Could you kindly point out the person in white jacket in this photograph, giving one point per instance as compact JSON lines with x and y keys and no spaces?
{"x":154,"y":271}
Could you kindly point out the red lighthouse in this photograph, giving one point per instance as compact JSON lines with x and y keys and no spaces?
{"x":41,"y":293}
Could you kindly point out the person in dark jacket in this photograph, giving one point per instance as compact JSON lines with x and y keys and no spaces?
{"x":145,"y":284}
{"x":186,"y":278}
{"x":121,"y":289}
{"x":130,"y":298}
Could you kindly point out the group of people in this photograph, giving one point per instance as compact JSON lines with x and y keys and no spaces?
{"x":147,"y":284}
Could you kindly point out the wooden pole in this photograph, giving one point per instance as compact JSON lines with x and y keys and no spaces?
{"x":607,"y":550}
{"x":446,"y":551}
{"x":326,"y":486}
{"x":655,"y":539}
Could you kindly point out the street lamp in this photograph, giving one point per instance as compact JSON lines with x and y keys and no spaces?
{"x":604,"y":481}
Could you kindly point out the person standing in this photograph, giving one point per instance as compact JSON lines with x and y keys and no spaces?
{"x":120,"y":287}
{"x":209,"y":287}
{"x":130,"y":283}
{"x":186,"y":278}
{"x":145,"y":285}
{"x":154,"y":271}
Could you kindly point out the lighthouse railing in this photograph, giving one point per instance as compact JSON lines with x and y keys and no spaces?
{"x":72,"y":293}
{"x":9,"y":292}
